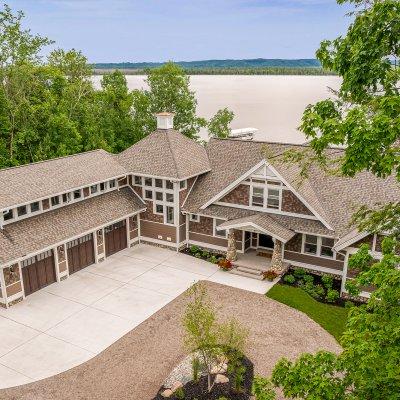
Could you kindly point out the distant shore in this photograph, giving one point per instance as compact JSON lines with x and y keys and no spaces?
{"x":228,"y":71}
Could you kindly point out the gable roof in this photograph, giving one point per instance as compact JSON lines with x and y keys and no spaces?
{"x":166,"y":153}
{"x":334,"y":199}
{"x":262,"y":222}
{"x":66,"y":222}
{"x":27,"y":183}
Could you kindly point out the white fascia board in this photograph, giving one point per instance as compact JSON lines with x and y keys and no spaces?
{"x":299,"y":196}
{"x":350,"y":241}
{"x":233,"y":184}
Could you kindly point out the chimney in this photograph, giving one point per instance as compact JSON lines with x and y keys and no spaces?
{"x":165,"y":120}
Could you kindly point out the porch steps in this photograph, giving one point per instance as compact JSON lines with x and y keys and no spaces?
{"x":247,"y":271}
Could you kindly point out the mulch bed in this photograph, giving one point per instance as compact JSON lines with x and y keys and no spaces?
{"x":198,"y":391}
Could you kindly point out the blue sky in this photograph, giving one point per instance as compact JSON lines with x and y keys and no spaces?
{"x":159,"y":30}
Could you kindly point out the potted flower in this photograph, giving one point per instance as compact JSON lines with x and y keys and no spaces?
{"x":225,"y":264}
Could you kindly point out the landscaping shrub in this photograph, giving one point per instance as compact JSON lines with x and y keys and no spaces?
{"x":316,"y":291}
{"x":349,"y":304}
{"x":331,"y":295}
{"x":308,"y":278}
{"x":263,"y":388}
{"x":269,"y":275}
{"x":205,"y":254}
{"x":225,"y":264}
{"x":290,"y":279}
{"x":196,"y":369}
{"x":327,"y":280}
{"x":194,"y":249}
{"x":213,"y":259}
{"x":180,"y":393}
{"x":299,"y":273}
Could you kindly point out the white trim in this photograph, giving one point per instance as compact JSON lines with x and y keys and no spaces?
{"x":358,"y":236}
{"x":215,"y":228}
{"x":268,"y":211}
{"x":192,"y":219}
{"x":299,"y":196}
{"x":314,"y":267}
{"x":92,"y":230}
{"x":208,"y":245}
{"x":233,"y":184}
{"x":255,"y":226}
{"x":319,"y":247}
{"x":168,"y":177}
{"x":163,"y":242}
{"x":189,"y":191}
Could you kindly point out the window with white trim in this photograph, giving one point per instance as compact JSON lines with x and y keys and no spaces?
{"x":94,"y":189}
{"x":273,"y":198}
{"x":138,"y":180}
{"x":35,"y":207}
{"x":112,"y":183}
{"x":8,"y":215}
{"x":169,"y":185}
{"x":194,"y":217}
{"x":183,"y":185}
{"x":21,"y":210}
{"x":170,"y":215}
{"x":148,"y":194}
{"x":219,"y":233}
{"x":257,"y":198}
{"x":318,"y":246}
{"x":159,"y":209}
{"x":148,"y":181}
{"x":55,"y":201}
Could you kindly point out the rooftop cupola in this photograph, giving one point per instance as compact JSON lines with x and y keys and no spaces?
{"x":165,"y":120}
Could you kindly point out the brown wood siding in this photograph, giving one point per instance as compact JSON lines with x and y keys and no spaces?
{"x":86,"y":192}
{"x":367,"y":240}
{"x":62,"y":266}
{"x":80,"y":253}
{"x":204,"y":226}
{"x":122,"y":182}
{"x":313,"y":260}
{"x":291,"y":203}
{"x":239,"y":195}
{"x":182,"y":233}
{"x":216,"y":241}
{"x":133,"y":234}
{"x":14,"y":289}
{"x":152,"y":230}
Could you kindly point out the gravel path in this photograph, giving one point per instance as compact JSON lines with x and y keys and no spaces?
{"x":135,"y":366}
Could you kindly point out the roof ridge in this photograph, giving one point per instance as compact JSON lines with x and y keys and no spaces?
{"x":55,"y":159}
{"x":173,"y":153}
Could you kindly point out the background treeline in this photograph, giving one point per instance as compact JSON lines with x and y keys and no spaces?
{"x":227,"y":71}
{"x":50,"y":108}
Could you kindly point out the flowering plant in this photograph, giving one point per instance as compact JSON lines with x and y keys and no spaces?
{"x":225,"y":264}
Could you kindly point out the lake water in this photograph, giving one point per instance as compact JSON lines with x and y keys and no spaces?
{"x":273,"y":104}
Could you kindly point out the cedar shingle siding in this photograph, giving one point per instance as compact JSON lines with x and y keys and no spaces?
{"x":291,"y":203}
{"x":239,"y":195}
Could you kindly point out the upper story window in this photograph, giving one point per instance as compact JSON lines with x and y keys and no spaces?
{"x":7,"y":215}
{"x":112,"y":183}
{"x":103,"y":186}
{"x":220,"y":233}
{"x":273,"y":198}
{"x":94,"y":189}
{"x":194,"y":217}
{"x":170,"y":215}
{"x":158,"y":183}
{"x":35,"y":207}
{"x":21,"y":210}
{"x":257,"y":199}
{"x":148,"y":181}
{"x":138,"y":180}
{"x":183,"y":184}
{"x":77,"y":194}
{"x":266,"y":195}
{"x":55,"y":201}
{"x":169,"y":185}
{"x":318,"y":246}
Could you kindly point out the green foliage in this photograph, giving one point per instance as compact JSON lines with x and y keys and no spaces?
{"x":308,"y":279}
{"x":263,"y":389}
{"x":218,"y":126}
{"x":194,"y":249}
{"x":213,"y":259}
{"x":179,"y":393}
{"x":196,"y":368}
{"x":349,"y":304}
{"x":208,"y":338}
{"x":331,"y":318}
{"x":290,"y":279}
{"x":327,"y":280}
{"x":332,"y":295}
{"x":299,"y":273}
{"x":205,"y":254}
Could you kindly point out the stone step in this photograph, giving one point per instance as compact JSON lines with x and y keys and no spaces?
{"x":246,"y":274}
{"x":249,"y":270}
{"x":257,"y":268}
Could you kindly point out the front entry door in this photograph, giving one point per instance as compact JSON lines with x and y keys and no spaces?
{"x":265,"y":241}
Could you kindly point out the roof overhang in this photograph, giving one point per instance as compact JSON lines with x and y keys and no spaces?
{"x":349,"y":239}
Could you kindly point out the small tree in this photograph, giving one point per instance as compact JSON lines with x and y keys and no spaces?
{"x":218,"y":126}
{"x":208,"y":338}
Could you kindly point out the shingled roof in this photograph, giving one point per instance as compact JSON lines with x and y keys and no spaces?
{"x":30,"y":182}
{"x":333,"y":198}
{"x":166,"y":153}
{"x":33,"y":234}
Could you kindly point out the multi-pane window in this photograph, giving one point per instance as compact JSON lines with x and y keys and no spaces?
{"x":138,"y":180}
{"x":102,"y":186}
{"x":35,"y":206}
{"x":159,"y":196}
{"x":55,"y":201}
{"x":148,"y":181}
{"x":170,"y":215}
{"x":112,"y":184}
{"x":273,"y":198}
{"x":159,"y":209}
{"x":182,"y":185}
{"x":169,"y":185}
{"x":77,"y":194}
{"x":311,"y":244}
{"x":66,"y":197}
{"x":148,"y":194}
{"x":21,"y":210}
{"x":326,"y":247}
{"x":158,"y":183}
{"x":258,"y":197}
{"x":221,"y":233}
{"x":318,"y":245}
{"x":94,"y":189}
{"x":169,"y":197}
{"x":7,"y":215}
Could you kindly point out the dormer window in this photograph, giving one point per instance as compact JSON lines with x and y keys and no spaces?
{"x":94,"y":189}
{"x":35,"y":207}
{"x":258,"y":197}
{"x":273,"y":198}
{"x":8,"y":215}
{"x":21,"y":211}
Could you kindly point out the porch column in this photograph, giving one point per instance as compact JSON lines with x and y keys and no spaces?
{"x":231,"y":253}
{"x":276,"y":260}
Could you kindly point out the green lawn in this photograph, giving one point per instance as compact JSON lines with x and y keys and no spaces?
{"x":331,"y":318}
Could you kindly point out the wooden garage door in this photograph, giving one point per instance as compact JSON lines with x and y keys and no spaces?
{"x":115,"y":237}
{"x":38,"y":272}
{"x":80,"y":253}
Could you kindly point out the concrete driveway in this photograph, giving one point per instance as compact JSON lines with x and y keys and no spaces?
{"x":67,"y":323}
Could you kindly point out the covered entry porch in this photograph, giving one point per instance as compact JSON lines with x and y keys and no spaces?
{"x":264,"y":240}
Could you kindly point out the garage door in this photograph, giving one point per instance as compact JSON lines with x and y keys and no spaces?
{"x":80,"y":253}
{"x":38,"y":272}
{"x":115,"y":237}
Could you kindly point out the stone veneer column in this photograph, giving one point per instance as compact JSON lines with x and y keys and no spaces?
{"x":276,"y":260}
{"x":231,"y":253}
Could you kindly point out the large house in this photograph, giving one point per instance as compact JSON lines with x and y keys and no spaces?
{"x":61,"y":215}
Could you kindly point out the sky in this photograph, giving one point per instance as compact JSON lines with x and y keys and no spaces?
{"x":184,"y":30}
